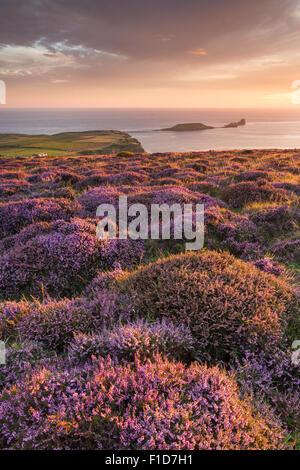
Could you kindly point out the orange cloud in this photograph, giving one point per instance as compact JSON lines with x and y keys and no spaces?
{"x":198,"y":51}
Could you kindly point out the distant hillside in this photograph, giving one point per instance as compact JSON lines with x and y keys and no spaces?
{"x":74,"y":143}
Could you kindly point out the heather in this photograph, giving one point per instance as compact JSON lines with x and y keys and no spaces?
{"x":145,"y":405}
{"x":138,"y":344}
{"x":228,"y":304}
{"x":139,"y":337}
{"x":62,"y":260}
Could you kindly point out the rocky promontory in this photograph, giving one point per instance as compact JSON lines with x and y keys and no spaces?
{"x":199,"y":126}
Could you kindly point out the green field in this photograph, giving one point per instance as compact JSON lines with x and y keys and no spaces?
{"x":69,"y":143}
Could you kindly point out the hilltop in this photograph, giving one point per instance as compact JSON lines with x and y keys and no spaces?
{"x":68,"y":143}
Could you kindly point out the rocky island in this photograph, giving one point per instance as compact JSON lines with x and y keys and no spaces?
{"x":199,"y":126}
{"x":193,"y":126}
{"x":242,"y":122}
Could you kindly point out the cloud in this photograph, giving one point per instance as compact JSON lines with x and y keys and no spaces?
{"x":198,"y":51}
{"x":150,"y":44}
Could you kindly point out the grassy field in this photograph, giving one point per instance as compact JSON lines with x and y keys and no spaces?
{"x":73,"y":143}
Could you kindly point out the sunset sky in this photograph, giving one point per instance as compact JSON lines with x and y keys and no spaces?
{"x":149,"y":53}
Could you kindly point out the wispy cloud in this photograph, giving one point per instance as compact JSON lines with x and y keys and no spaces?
{"x":198,"y":51}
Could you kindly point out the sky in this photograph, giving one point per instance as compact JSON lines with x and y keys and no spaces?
{"x":149,"y":53}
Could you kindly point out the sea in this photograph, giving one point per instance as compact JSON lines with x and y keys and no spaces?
{"x":265,"y":128}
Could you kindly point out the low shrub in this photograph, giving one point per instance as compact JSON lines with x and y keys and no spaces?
{"x":140,"y":337}
{"x":54,"y":324}
{"x":226,"y":303}
{"x":239,"y":194}
{"x":16,"y":215}
{"x":156,"y":405}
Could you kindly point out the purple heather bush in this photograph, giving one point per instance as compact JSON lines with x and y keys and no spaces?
{"x":42,"y":177}
{"x":61,"y":263}
{"x":63,"y":260}
{"x":287,"y":251}
{"x":82,"y":372}
{"x":11,"y":175}
{"x":273,"y":221}
{"x":227,"y":304}
{"x":10,"y":315}
{"x":28,"y":232}
{"x":124,"y":342}
{"x":239,"y":194}
{"x":295,"y":188}
{"x":253,"y":175}
{"x":54,"y":324}
{"x":20,"y":358}
{"x":274,"y":377}
{"x":12,"y":187}
{"x":91,"y":199}
{"x":270,"y":266}
{"x":157,"y":405}
{"x":206,"y":187}
{"x":16,"y":215}
{"x":103,"y":280}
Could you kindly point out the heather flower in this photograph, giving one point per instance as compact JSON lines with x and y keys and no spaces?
{"x":272,"y":221}
{"x":54,"y":324}
{"x":146,"y":405}
{"x":239,"y":194}
{"x":91,"y":199}
{"x":270,"y":266}
{"x":61,"y":263}
{"x":276,"y":379}
{"x":16,"y":215}
{"x":226,"y":303}
{"x":287,"y":251}
{"x":140,"y":337}
{"x":20,"y":358}
{"x":11,"y":187}
{"x":10,"y":315}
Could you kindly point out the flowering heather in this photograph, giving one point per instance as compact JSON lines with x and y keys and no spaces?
{"x":91,"y":199}
{"x":61,"y":262}
{"x":145,"y":405}
{"x":20,"y":357}
{"x":12,"y":187}
{"x":4,"y":174}
{"x":16,"y":215}
{"x":240,"y":194}
{"x":274,"y":377}
{"x":28,"y":232}
{"x":83,"y":321}
{"x":273,"y":221}
{"x":226,"y":303}
{"x":253,"y":176}
{"x":140,"y":337}
{"x":206,"y":187}
{"x":103,"y":280}
{"x":295,"y":188}
{"x":54,"y":324}
{"x":287,"y":251}
{"x":270,"y":266}
{"x":10,"y":315}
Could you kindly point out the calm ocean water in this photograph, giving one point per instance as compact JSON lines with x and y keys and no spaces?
{"x":264,"y":128}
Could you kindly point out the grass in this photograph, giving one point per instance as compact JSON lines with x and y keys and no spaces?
{"x":68,"y":143}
